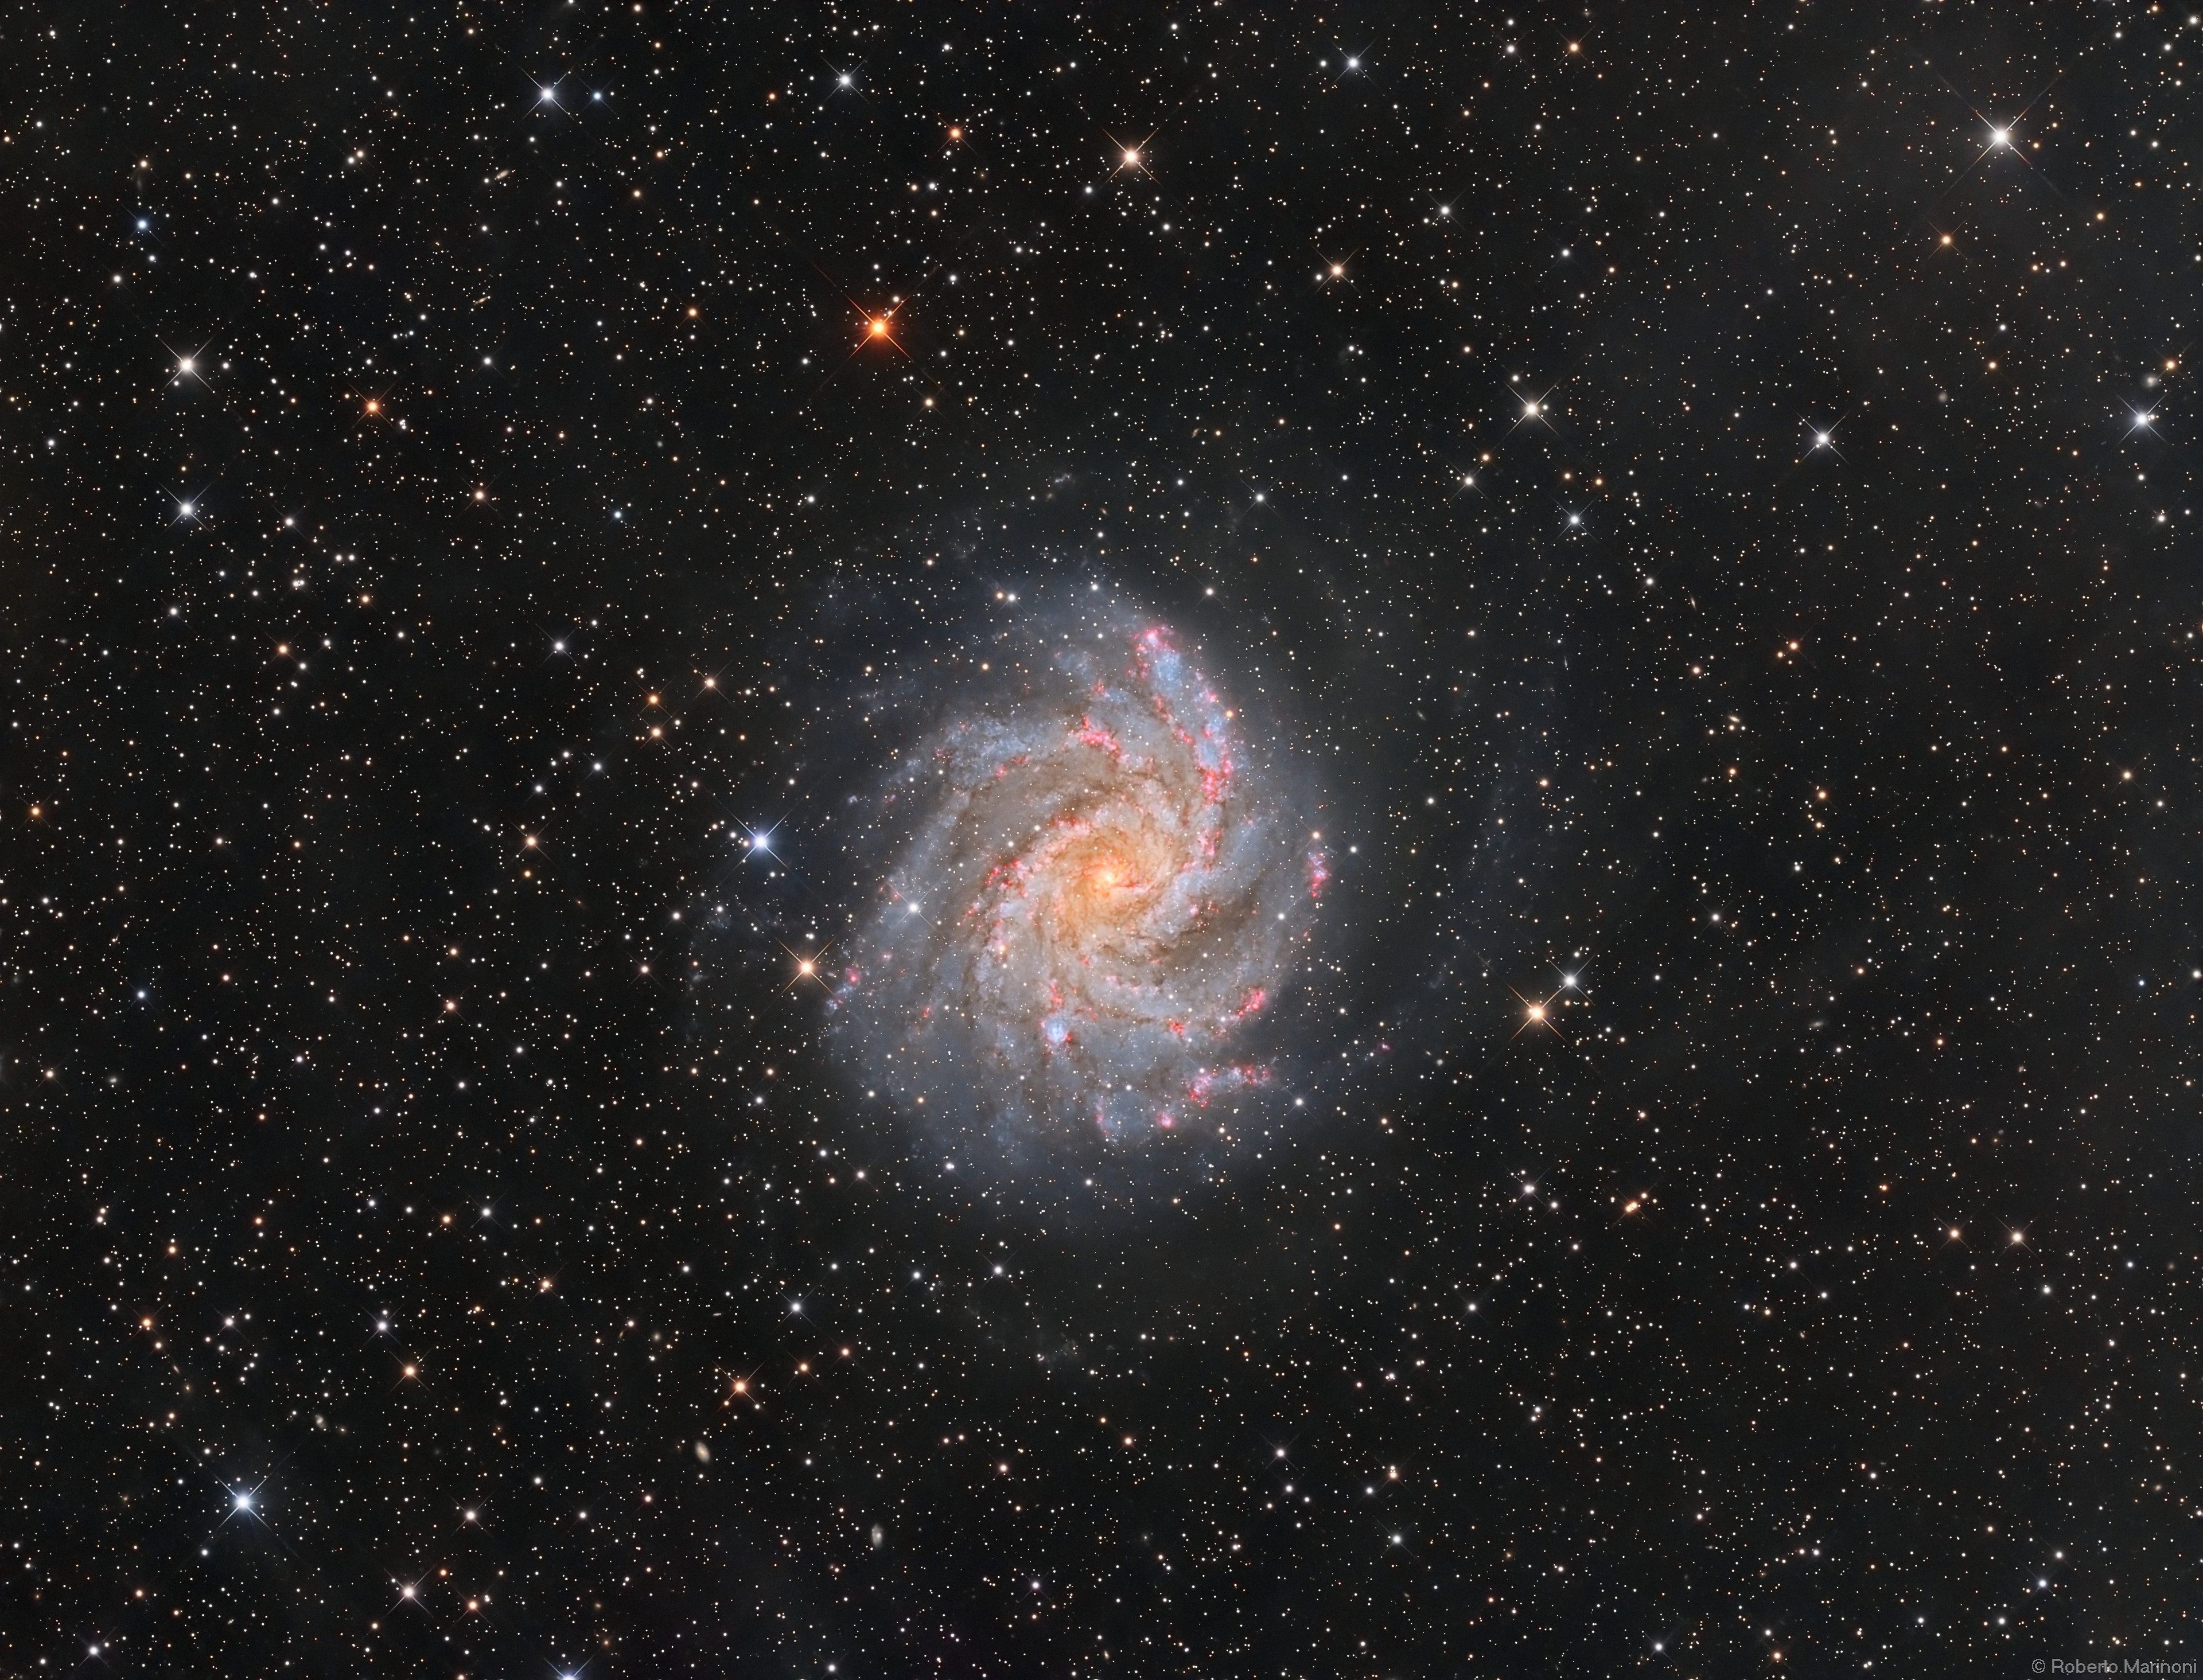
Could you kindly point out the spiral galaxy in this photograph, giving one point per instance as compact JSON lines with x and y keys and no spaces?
{"x":1101,"y":883}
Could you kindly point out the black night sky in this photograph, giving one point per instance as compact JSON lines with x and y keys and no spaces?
{"x":1547,"y":668}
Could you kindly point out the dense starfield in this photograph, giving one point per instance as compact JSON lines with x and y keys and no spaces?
{"x":863,"y":839}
